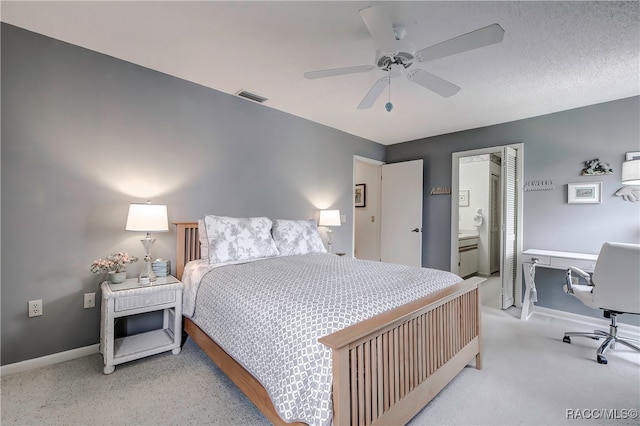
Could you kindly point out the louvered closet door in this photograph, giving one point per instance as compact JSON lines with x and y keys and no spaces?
{"x":495,"y":197}
{"x":509,"y":222}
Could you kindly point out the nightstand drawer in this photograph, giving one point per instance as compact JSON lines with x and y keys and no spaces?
{"x":132,"y":302}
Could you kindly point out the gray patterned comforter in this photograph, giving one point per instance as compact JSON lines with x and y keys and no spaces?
{"x":269,"y":314}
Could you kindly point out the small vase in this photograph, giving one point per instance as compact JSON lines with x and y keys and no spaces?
{"x":117,"y":277}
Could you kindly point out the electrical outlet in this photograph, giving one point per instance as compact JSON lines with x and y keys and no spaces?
{"x":35,"y":308}
{"x":574,"y":281}
{"x":89,"y":300}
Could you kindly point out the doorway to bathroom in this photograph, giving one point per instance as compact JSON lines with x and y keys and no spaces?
{"x":486,"y":220}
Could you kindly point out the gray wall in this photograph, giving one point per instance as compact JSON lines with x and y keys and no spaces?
{"x":555,"y":147}
{"x":84,"y":135}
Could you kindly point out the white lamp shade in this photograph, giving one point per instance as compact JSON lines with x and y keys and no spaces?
{"x":631,"y":172}
{"x":329,"y":218}
{"x":147,"y":218}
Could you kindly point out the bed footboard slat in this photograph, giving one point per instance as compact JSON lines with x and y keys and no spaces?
{"x":397,"y":368}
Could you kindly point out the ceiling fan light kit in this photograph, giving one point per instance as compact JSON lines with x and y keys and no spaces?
{"x":394,"y":55}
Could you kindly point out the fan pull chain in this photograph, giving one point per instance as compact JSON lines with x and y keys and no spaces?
{"x":389,"y":106}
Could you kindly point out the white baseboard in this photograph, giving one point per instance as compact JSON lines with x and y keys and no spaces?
{"x":44,"y":361}
{"x":625,"y":329}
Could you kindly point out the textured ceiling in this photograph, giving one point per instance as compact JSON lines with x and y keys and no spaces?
{"x":555,"y":55}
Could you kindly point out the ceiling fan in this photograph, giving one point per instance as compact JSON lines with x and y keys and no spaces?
{"x":394,"y":55}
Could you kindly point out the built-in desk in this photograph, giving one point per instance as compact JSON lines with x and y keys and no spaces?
{"x":533,"y":258}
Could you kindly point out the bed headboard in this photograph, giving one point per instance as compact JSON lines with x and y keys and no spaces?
{"x":187,"y":245}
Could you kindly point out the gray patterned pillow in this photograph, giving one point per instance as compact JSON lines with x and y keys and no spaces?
{"x":297,"y":237}
{"x":233,"y":239}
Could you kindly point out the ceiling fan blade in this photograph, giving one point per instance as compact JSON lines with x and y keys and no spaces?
{"x":338,"y":71}
{"x":433,"y":83}
{"x":479,"y":38}
{"x":379,"y":24}
{"x":374,"y":93}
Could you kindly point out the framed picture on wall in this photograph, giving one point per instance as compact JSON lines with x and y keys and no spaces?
{"x":361,"y":195}
{"x":632,"y":156}
{"x":463,"y":201}
{"x":584,"y":193}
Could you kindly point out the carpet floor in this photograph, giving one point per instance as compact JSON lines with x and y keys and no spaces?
{"x":530,"y":377}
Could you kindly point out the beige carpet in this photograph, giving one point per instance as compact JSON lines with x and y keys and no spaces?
{"x":530,"y":377}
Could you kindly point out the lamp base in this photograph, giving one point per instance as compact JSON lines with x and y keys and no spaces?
{"x":147,"y":277}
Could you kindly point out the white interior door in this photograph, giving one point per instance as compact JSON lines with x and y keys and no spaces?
{"x":508,"y":262}
{"x":401,"y":213}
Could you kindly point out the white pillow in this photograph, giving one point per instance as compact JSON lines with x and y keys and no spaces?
{"x":233,"y":239}
{"x":297,"y":237}
{"x":204,"y":241}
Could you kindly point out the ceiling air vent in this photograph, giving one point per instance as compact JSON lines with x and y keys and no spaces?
{"x":251,"y":96}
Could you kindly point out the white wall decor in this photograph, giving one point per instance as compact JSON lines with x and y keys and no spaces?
{"x":539,"y":185}
{"x":596,"y":167}
{"x":584,"y":193}
{"x":441,"y":190}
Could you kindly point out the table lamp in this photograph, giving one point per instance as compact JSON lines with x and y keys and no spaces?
{"x":631,"y":172}
{"x":147,"y":218}
{"x":329,"y":218}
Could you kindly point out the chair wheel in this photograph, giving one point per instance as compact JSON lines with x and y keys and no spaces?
{"x":602,"y":359}
{"x":566,"y":339}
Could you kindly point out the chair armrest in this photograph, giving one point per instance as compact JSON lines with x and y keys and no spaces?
{"x":579,"y":272}
{"x":582,"y":273}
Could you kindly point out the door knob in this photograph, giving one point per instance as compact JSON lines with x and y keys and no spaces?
{"x":415,"y":230}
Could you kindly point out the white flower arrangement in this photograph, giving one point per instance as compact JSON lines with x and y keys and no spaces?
{"x":116,"y":262}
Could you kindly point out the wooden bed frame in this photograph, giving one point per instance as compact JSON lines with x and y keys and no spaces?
{"x":385,"y":369}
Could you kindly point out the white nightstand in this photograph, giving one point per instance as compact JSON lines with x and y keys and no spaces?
{"x":131,"y":298}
